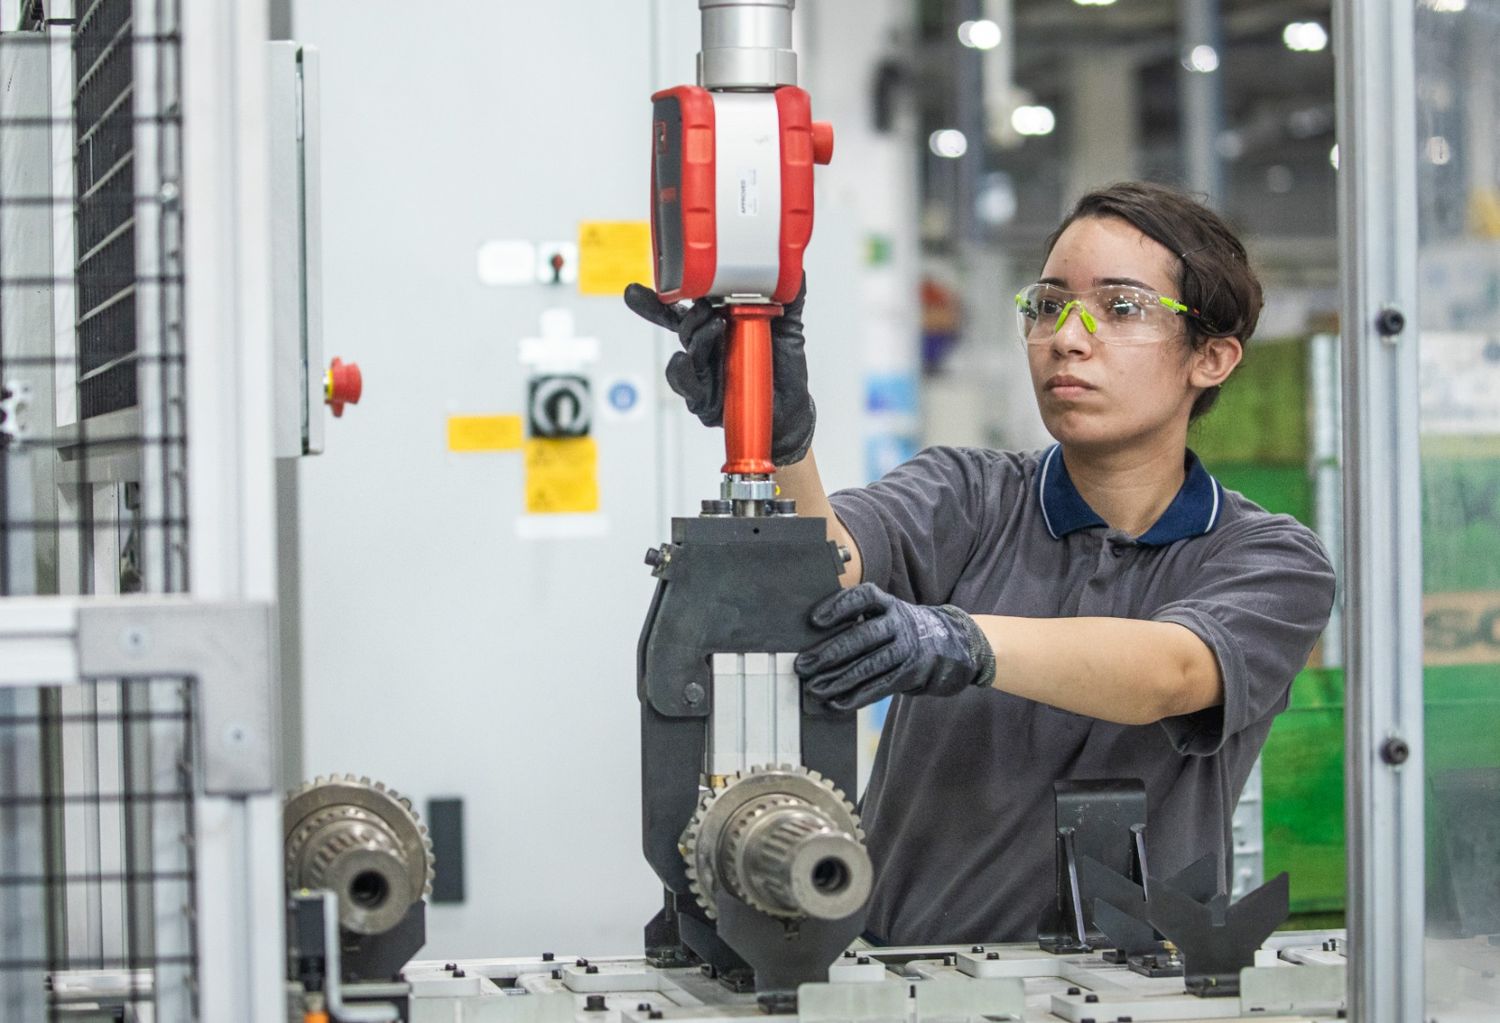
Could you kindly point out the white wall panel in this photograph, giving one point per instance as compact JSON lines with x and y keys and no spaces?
{"x":441,"y":653}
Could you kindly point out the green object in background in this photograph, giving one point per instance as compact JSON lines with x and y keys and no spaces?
{"x":1261,"y":417}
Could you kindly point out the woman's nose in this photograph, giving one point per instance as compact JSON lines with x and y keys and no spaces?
{"x":1073,"y":337}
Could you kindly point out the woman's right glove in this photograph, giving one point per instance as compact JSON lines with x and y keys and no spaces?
{"x":697,"y":372}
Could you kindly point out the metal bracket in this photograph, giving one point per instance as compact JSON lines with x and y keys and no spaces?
{"x":228,"y":649}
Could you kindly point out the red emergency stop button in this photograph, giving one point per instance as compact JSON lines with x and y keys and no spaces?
{"x":342,"y":385}
{"x":822,"y":138}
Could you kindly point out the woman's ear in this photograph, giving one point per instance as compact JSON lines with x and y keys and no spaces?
{"x":1214,"y":360}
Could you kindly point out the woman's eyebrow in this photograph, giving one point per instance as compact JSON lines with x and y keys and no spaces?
{"x":1127,"y":281}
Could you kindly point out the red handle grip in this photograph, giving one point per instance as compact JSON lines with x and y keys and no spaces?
{"x":748,"y":390}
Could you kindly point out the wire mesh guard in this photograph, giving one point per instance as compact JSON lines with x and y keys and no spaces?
{"x":96,"y":869}
{"x":91,"y":304}
{"x":96,"y":797}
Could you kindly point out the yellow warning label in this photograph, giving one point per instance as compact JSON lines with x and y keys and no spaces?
{"x":484,"y":433}
{"x":562,"y":476}
{"x":612,"y":254}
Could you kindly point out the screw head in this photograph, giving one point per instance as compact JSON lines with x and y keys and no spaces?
{"x":1390,"y":321}
{"x":653,"y":556}
{"x":992,"y":955}
{"x":1395,"y":751}
{"x":692,"y":694}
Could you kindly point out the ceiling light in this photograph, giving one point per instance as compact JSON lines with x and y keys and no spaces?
{"x":1033,"y":120}
{"x":948,"y":143}
{"x":979,"y":35}
{"x":1094,"y":3}
{"x":1204,"y":59}
{"x":1305,"y":37}
{"x":1445,"y":6}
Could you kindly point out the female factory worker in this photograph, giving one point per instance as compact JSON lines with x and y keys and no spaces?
{"x":1102,"y":608}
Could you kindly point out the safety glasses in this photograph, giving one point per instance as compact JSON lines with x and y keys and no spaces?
{"x":1114,"y":314}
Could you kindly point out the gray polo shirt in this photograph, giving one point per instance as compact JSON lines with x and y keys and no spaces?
{"x":959,"y":809}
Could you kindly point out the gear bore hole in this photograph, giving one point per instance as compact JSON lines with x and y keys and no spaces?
{"x":830,"y":875}
{"x":369,"y":889}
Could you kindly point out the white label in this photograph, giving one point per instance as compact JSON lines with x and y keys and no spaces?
{"x":507,"y":261}
{"x":749,"y":192}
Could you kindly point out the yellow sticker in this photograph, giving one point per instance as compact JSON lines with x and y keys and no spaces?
{"x":562,"y":476}
{"x":484,"y":433}
{"x":612,"y":254}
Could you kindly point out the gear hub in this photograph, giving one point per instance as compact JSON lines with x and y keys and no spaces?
{"x":783,"y":840}
{"x":363,"y":842}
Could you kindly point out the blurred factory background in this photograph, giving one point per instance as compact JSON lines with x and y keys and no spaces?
{"x":463,"y":625}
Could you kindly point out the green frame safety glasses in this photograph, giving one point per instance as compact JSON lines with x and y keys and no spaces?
{"x":1114,"y":314}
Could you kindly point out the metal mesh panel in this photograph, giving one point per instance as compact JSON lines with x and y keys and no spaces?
{"x":96,"y":870}
{"x":96,"y":778}
{"x":92,"y":494}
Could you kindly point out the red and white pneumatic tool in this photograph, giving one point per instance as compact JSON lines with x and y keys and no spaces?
{"x":732,"y":206}
{"x":743,"y":814}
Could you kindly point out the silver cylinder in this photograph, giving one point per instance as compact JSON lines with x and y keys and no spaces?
{"x":788,"y":859}
{"x":747,"y":44}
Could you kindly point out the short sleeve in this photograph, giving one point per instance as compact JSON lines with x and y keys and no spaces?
{"x":1260,"y":600}
{"x":917,"y":526}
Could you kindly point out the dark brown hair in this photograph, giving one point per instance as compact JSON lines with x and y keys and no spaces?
{"x":1214,"y":274}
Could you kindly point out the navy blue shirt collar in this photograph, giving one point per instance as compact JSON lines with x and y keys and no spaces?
{"x":1193,"y":512}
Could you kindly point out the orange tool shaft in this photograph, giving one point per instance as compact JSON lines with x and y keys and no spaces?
{"x":748,"y":390}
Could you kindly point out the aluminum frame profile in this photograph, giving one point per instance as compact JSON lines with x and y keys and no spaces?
{"x":1377,"y":207}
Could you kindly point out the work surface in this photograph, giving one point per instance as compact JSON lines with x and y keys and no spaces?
{"x":1299,"y":975}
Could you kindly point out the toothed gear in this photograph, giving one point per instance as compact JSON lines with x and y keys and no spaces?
{"x":784,"y":840}
{"x":362,"y":840}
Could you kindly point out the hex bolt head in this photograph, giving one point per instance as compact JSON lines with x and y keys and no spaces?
{"x":591,"y":968}
{"x":863,"y":960}
{"x":1075,"y":991}
{"x":643,"y":1007}
{"x":1395,"y":751}
{"x":849,"y":953}
{"x":450,"y":967}
{"x":459,"y":974}
{"x":548,"y":957}
{"x":950,"y":960}
{"x":557,"y":975}
{"x":1091,"y":999}
{"x":654,"y":1014}
{"x":992,"y":956}
{"x":1390,"y":321}
{"x":653,"y":556}
{"x":593,"y":1003}
{"x":977,"y":949}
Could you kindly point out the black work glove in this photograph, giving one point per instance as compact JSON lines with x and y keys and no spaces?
{"x":886,"y":646}
{"x":697,"y":372}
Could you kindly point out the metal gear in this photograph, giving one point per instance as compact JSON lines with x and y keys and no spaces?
{"x":782,"y":839}
{"x":363,"y":841}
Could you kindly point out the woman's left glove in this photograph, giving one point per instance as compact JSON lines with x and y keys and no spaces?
{"x":886,"y":646}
